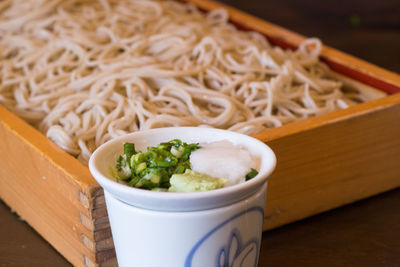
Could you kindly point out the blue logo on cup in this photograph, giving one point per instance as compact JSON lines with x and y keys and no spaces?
{"x":240,"y":248}
{"x":237,"y":253}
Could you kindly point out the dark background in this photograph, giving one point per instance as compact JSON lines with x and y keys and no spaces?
{"x":366,"y":233}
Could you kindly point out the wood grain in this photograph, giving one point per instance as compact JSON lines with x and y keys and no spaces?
{"x":326,"y":165}
{"x":45,"y":185}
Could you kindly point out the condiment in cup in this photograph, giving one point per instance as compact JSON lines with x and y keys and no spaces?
{"x":220,"y":227}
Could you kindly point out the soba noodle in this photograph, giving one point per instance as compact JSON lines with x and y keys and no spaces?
{"x":84,"y":72}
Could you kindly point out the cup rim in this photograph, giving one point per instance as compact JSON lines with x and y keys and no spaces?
{"x":178,"y":201}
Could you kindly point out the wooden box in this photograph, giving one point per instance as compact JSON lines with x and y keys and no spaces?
{"x":323,"y":162}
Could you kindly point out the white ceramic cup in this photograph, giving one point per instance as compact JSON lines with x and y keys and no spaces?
{"x":214,"y":228}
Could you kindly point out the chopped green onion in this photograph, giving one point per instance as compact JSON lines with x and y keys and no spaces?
{"x":141,"y":167}
{"x":177,"y":151}
{"x":129,"y":150}
{"x":251,"y":174}
{"x":154,"y":168}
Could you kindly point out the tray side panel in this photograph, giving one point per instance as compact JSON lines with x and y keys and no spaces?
{"x":335,"y":164}
{"x":40,"y":191}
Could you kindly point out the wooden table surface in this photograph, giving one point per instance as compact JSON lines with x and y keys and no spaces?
{"x":366,"y":233}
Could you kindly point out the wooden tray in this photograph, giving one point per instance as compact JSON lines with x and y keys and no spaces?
{"x":323,"y":162}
